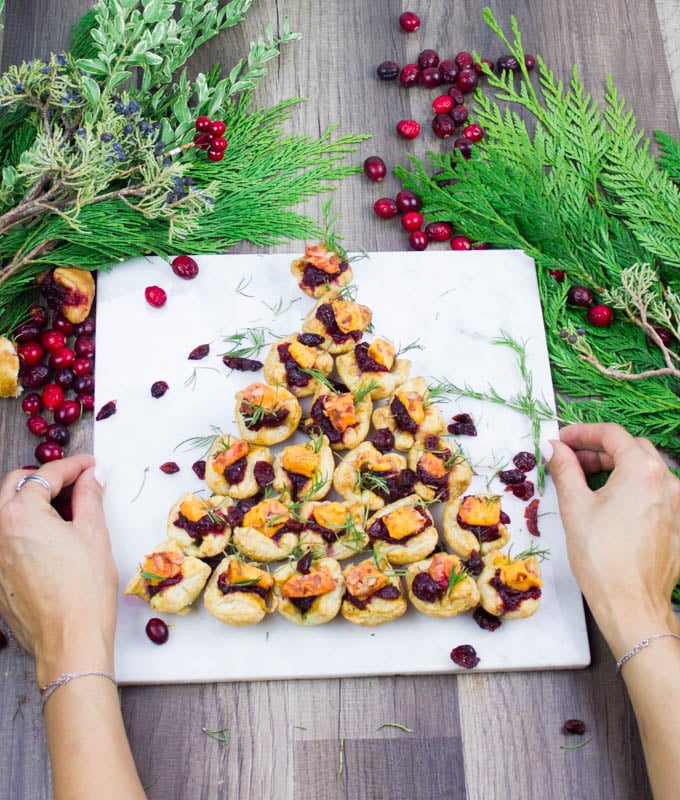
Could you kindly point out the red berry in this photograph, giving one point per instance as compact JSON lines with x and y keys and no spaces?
{"x":465,"y":656}
{"x":456,"y":95}
{"x":442,"y":104}
{"x":215,"y":155}
{"x":375,"y":168}
{"x":418,"y":239}
{"x":388,"y":70}
{"x":473,"y":132}
{"x":217,"y":127}
{"x":199,"y":352}
{"x":409,"y":75}
{"x":35,"y":376}
{"x":438,"y":231}
{"x":62,"y":358}
{"x":386,"y":208}
{"x":430,"y":77}
{"x":52,"y":340}
{"x":219,"y":143}
{"x":464,"y":145}
{"x":82,"y":366}
{"x":68,"y":412}
{"x":85,"y":401}
{"x":52,"y":396}
{"x":600,"y":316}
{"x":664,"y":334}
{"x":409,"y":21}
{"x":428,"y":58}
{"x":106,"y":411}
{"x":157,"y":631}
{"x":461,"y":243}
{"x":203,"y":124}
{"x":64,"y":378}
{"x":467,"y":80}
{"x":448,"y":71}
{"x":199,"y":469}
{"x":84,"y":346}
{"x":57,"y":433}
{"x":155,"y":296}
{"x":408,"y":201}
{"x":60,"y":323}
{"x":31,"y":352}
{"x":31,"y":403}
{"x":464,"y":60}
{"x":86,"y":328}
{"x":27,"y":332}
{"x":412,"y":220}
{"x":408,"y":128}
{"x":184,"y":267}
{"x":48,"y":451}
{"x":38,"y":315}
{"x":83,"y":384}
{"x":443,"y":126}
{"x":203,"y":140}
{"x":158,"y":389}
{"x":488,"y":63}
{"x":507,"y":62}
{"x":529,"y":62}
{"x":37,"y":425}
{"x":558,"y":274}
{"x":169,"y":467}
{"x":459,"y":114}
{"x":580,"y":296}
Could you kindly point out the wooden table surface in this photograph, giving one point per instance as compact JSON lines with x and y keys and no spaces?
{"x":475,"y":736}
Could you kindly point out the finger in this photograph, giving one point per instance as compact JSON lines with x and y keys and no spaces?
{"x":567,"y":474}
{"x":594,"y":462}
{"x":614,"y":440}
{"x":87,"y":501}
{"x":58,"y":474}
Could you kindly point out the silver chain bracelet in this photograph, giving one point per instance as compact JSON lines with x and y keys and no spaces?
{"x":48,"y":689}
{"x":641,"y":646}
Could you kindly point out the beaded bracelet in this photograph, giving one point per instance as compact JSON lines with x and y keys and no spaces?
{"x":641,"y":646}
{"x":48,"y":689}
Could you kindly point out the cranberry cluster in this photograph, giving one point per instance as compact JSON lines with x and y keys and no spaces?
{"x":600,"y":316}
{"x":55,"y":360}
{"x":210,"y":136}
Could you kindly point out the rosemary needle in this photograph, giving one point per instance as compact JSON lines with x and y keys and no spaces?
{"x":394,"y":725}
{"x":576,"y":746}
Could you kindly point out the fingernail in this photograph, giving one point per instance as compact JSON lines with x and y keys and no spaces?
{"x":100,"y":475}
{"x":547,"y":450}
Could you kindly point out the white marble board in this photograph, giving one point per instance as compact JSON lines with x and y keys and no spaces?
{"x":454,"y":304}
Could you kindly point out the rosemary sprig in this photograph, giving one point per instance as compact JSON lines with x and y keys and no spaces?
{"x":192,"y":381}
{"x":364,"y":390}
{"x":319,"y":376}
{"x":414,"y":345}
{"x":242,"y":285}
{"x":456,"y":577}
{"x":203,"y":443}
{"x":367,"y":480}
{"x":576,"y":746}
{"x":247,"y":343}
{"x":281,"y":306}
{"x":541,"y":553}
{"x":219,"y":734}
{"x":394,"y":725}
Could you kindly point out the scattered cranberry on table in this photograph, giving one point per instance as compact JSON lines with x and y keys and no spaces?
{"x":157,"y":631}
{"x":48,"y":451}
{"x":169,"y":467}
{"x":37,"y":425}
{"x":574,"y":727}
{"x":375,"y":168}
{"x":461,"y":243}
{"x":70,"y":411}
{"x":155,"y":296}
{"x":386,"y":208}
{"x":31,"y":403}
{"x":184,"y":267}
{"x":600,"y":316}
{"x":3,"y":641}
{"x":412,"y":220}
{"x":52,"y":396}
{"x":443,"y":125}
{"x":418,"y":240}
{"x":431,"y":77}
{"x":467,"y":80}
{"x":158,"y":389}
{"x":408,"y":201}
{"x":558,"y":274}
{"x":464,"y":60}
{"x":409,"y":21}
{"x":448,"y":69}
{"x":464,"y":146}
{"x":409,"y":76}
{"x":473,"y":132}
{"x":388,"y":70}
{"x":465,"y":656}
{"x":442,"y":104}
{"x":439,"y":231}
{"x":408,"y":128}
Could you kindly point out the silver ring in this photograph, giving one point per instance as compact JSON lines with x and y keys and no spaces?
{"x":38,"y":479}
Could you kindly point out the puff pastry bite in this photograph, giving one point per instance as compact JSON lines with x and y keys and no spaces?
{"x":265,"y":414}
{"x":201,"y":527}
{"x":368,"y":477}
{"x":320,"y":270}
{"x":406,"y":528}
{"x":310,"y":591}
{"x":168,"y":580}
{"x":237,"y":469}
{"x":267,"y":532}
{"x":339,"y":320}
{"x":69,"y":290}
{"x":239,"y":593}
{"x":442,"y":471}
{"x":9,"y":369}
{"x":409,"y":414}
{"x":440,"y":586}
{"x":287,"y":361}
{"x":332,"y":528}
{"x":305,"y":471}
{"x":373,"y":595}
{"x":475,"y":522}
{"x":374,"y":364}
{"x":341,"y":417}
{"x":509,"y":588}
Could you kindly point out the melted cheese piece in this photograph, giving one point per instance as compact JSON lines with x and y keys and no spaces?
{"x":374,"y":463}
{"x":260,"y":394}
{"x":230,"y":456}
{"x":331,"y":515}
{"x":382,"y":352}
{"x":484,"y":510}
{"x":413,"y":403}
{"x":237,"y":572}
{"x":164,"y":565}
{"x":517,"y":575}
{"x":319,"y":257}
{"x":340,"y":411}
{"x":347,"y":314}
{"x":193,"y":509}
{"x":432,"y":465}
{"x":365,"y":579}
{"x":441,"y":567}
{"x":301,"y":460}
{"x":317,"y":582}
{"x":268,"y":517}
{"x":302,"y":355}
{"x":402,"y":522}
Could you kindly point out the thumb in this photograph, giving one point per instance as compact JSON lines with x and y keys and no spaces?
{"x":568,"y":476}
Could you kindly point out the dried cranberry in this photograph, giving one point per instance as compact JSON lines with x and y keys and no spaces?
{"x":263,"y":474}
{"x":199,"y":469}
{"x":462,"y":425}
{"x":184,"y":267}
{"x":241,"y":364}
{"x":486,"y":621}
{"x":524,"y":460}
{"x":574,"y":726}
{"x":425,"y":588}
{"x":465,"y":656}
{"x":531,"y":517}
{"x":199,"y":352}
{"x":522,"y":491}
{"x":507,"y":62}
{"x":234,"y":473}
{"x":511,"y":476}
{"x":304,"y":565}
{"x":310,"y":339}
{"x":235,"y":516}
{"x":388,"y":70}
{"x":158,"y":389}
{"x":448,"y":70}
{"x":383,"y":440}
{"x":169,"y":467}
{"x":157,"y":631}
{"x":409,"y":75}
{"x":106,"y":411}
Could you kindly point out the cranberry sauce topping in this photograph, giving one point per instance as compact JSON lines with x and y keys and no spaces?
{"x":486,"y":621}
{"x":263,"y":474}
{"x":303,"y":604}
{"x":365,"y":362}
{"x":56,"y":295}
{"x":153,"y":590}
{"x":401,"y":416}
{"x":313,"y":276}
{"x":329,"y":535}
{"x":214,"y":523}
{"x":399,"y":484}
{"x":294,"y":375}
{"x":297,"y":483}
{"x":235,"y":472}
{"x":241,"y":364}
{"x":326,"y":317}
{"x":230,"y":588}
{"x":304,"y":564}
{"x":310,"y":339}
{"x":475,"y":564}
{"x":234,"y":516}
{"x":254,"y":421}
{"x":426,"y":588}
{"x":513,"y":598}
{"x":383,"y":440}
{"x":388,"y":592}
{"x":322,"y":423}
{"x":378,"y":529}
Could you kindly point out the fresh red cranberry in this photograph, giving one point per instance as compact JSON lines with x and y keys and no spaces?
{"x":169,"y":467}
{"x":68,"y":412}
{"x":600,"y":316}
{"x":158,"y":389}
{"x":408,"y":128}
{"x":464,"y":145}
{"x":31,"y":352}
{"x":35,"y":376}
{"x":443,"y":126}
{"x":202,"y":124}
{"x":218,"y":143}
{"x":85,"y":401}
{"x":442,"y":104}
{"x":408,"y":201}
{"x":86,"y":328}
{"x":60,"y":323}
{"x":107,"y":410}
{"x":575,"y":727}
{"x":217,"y":127}
{"x":579,"y":296}
{"x":38,"y":315}
{"x":448,"y":70}
{"x":459,"y":114}
{"x":375,"y":168}
{"x":83,"y":366}
{"x":465,"y":656}
{"x":467,"y":80}
{"x":464,"y":60}
{"x":456,"y":95}
{"x":461,"y":243}
{"x":52,"y":340}
{"x":665,"y":335}
{"x":409,"y":21}
{"x":64,"y":377}
{"x":199,"y":352}
{"x":558,"y":274}
{"x":388,"y":70}
{"x":157,"y":631}
{"x":62,"y":357}
{"x":198,"y":468}
{"x":83,"y":384}
{"x":52,"y":396}
{"x":37,"y":425}
{"x":215,"y":155}
{"x":184,"y":267}
{"x":27,"y":332}
{"x":418,"y":239}
{"x":529,"y":62}
{"x":48,"y":451}
{"x":57,"y":433}
{"x":438,"y":231}
{"x":155,"y":296}
{"x":386,"y":208}
{"x":473,"y":132}
{"x":31,"y":403}
{"x":409,"y":75}
{"x":488,"y":63}
{"x":507,"y":62}
{"x":428,"y":58}
{"x":412,"y":220}
{"x":431,"y":77}
{"x":84,"y":346}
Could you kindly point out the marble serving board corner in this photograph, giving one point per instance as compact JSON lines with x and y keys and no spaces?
{"x":453,"y":305}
